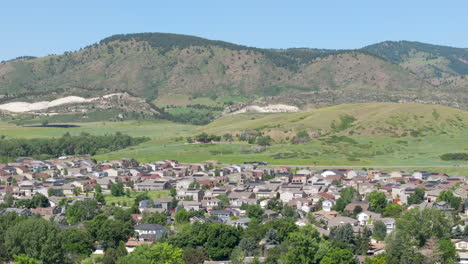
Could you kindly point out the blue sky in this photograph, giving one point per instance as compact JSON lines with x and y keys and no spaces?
{"x":51,"y":27}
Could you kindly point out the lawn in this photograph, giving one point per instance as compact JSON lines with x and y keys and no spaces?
{"x":124,"y":200}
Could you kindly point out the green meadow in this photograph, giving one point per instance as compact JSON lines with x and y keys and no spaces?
{"x":377,"y":137}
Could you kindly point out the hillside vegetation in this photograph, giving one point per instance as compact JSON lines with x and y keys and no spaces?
{"x":371,"y":119}
{"x":153,"y":66}
{"x":355,"y":134}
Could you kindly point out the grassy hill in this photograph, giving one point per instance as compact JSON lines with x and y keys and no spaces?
{"x":370,"y":135}
{"x":159,"y":67}
{"x":370,"y":119}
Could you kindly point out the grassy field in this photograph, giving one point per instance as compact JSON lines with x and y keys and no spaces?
{"x":122,"y":200}
{"x":374,"y":138}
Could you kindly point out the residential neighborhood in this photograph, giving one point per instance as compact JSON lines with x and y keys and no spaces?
{"x":366,"y":201}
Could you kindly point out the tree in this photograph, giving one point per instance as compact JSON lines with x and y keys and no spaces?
{"x":417,"y":197}
{"x":347,"y":195}
{"x":303,"y":246}
{"x":264,"y":140}
{"x":173,"y":192}
{"x":363,"y":242}
{"x":288,"y":211}
{"x":24,"y":259}
{"x":400,"y":248}
{"x":237,"y":256}
{"x":271,"y":237}
{"x":114,"y":254}
{"x":117,"y":189}
{"x":380,"y":230}
{"x":338,"y":256}
{"x":194,"y":255}
{"x":420,"y":225}
{"x":448,"y":196}
{"x":155,"y":218}
{"x":377,"y":200}
{"x":182,"y":217}
{"x":392,"y":210}
{"x":81,"y":210}
{"x":99,"y":197}
{"x":248,"y":245}
{"x":343,"y":236}
{"x":357,"y":210}
{"x":37,"y":238}
{"x":112,"y":232}
{"x":76,"y":244}
{"x":255,"y":211}
{"x":274,"y":204}
{"x":448,"y":251}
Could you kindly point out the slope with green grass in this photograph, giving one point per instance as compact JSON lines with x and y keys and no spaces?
{"x":373,"y":136}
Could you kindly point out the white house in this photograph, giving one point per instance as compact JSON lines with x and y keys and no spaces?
{"x":328,"y":204}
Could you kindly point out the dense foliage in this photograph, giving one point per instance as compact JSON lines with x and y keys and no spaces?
{"x":67,"y":145}
{"x":454,"y":156}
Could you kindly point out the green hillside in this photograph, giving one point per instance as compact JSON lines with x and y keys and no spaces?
{"x":373,"y":134}
{"x":371,"y":119}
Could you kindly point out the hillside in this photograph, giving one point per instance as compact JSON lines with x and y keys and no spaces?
{"x":370,"y":120}
{"x":426,"y":60}
{"x":180,"y":73}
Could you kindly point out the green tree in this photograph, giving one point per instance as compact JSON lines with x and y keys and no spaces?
{"x":76,"y":244}
{"x":117,"y":189}
{"x":161,"y":253}
{"x":35,"y":237}
{"x":195,"y":255}
{"x":24,"y":259}
{"x":417,"y":197}
{"x":378,"y":201}
{"x":237,"y":256}
{"x":81,"y":210}
{"x":343,"y":236}
{"x":338,"y":256}
{"x":392,"y":210}
{"x":155,"y":218}
{"x":448,"y":196}
{"x":114,"y":254}
{"x":112,"y":232}
{"x":255,"y":211}
{"x":347,"y":195}
{"x":400,"y":248}
{"x":248,"y":245}
{"x":264,"y":140}
{"x":420,"y":225}
{"x":182,"y":217}
{"x":447,"y":248}
{"x":275,"y":204}
{"x":303,"y":246}
{"x":380,"y":230}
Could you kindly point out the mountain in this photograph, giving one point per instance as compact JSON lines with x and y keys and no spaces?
{"x":426,"y":60}
{"x":183,"y":75}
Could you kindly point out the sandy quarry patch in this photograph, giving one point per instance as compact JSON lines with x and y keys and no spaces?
{"x":276,"y":108}
{"x":21,"y":107}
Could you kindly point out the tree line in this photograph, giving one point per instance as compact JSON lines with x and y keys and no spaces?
{"x":81,"y":144}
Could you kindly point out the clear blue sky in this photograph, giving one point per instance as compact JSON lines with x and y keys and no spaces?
{"x":41,"y":27}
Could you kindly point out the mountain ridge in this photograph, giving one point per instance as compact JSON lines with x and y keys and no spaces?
{"x":159,"y":66}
